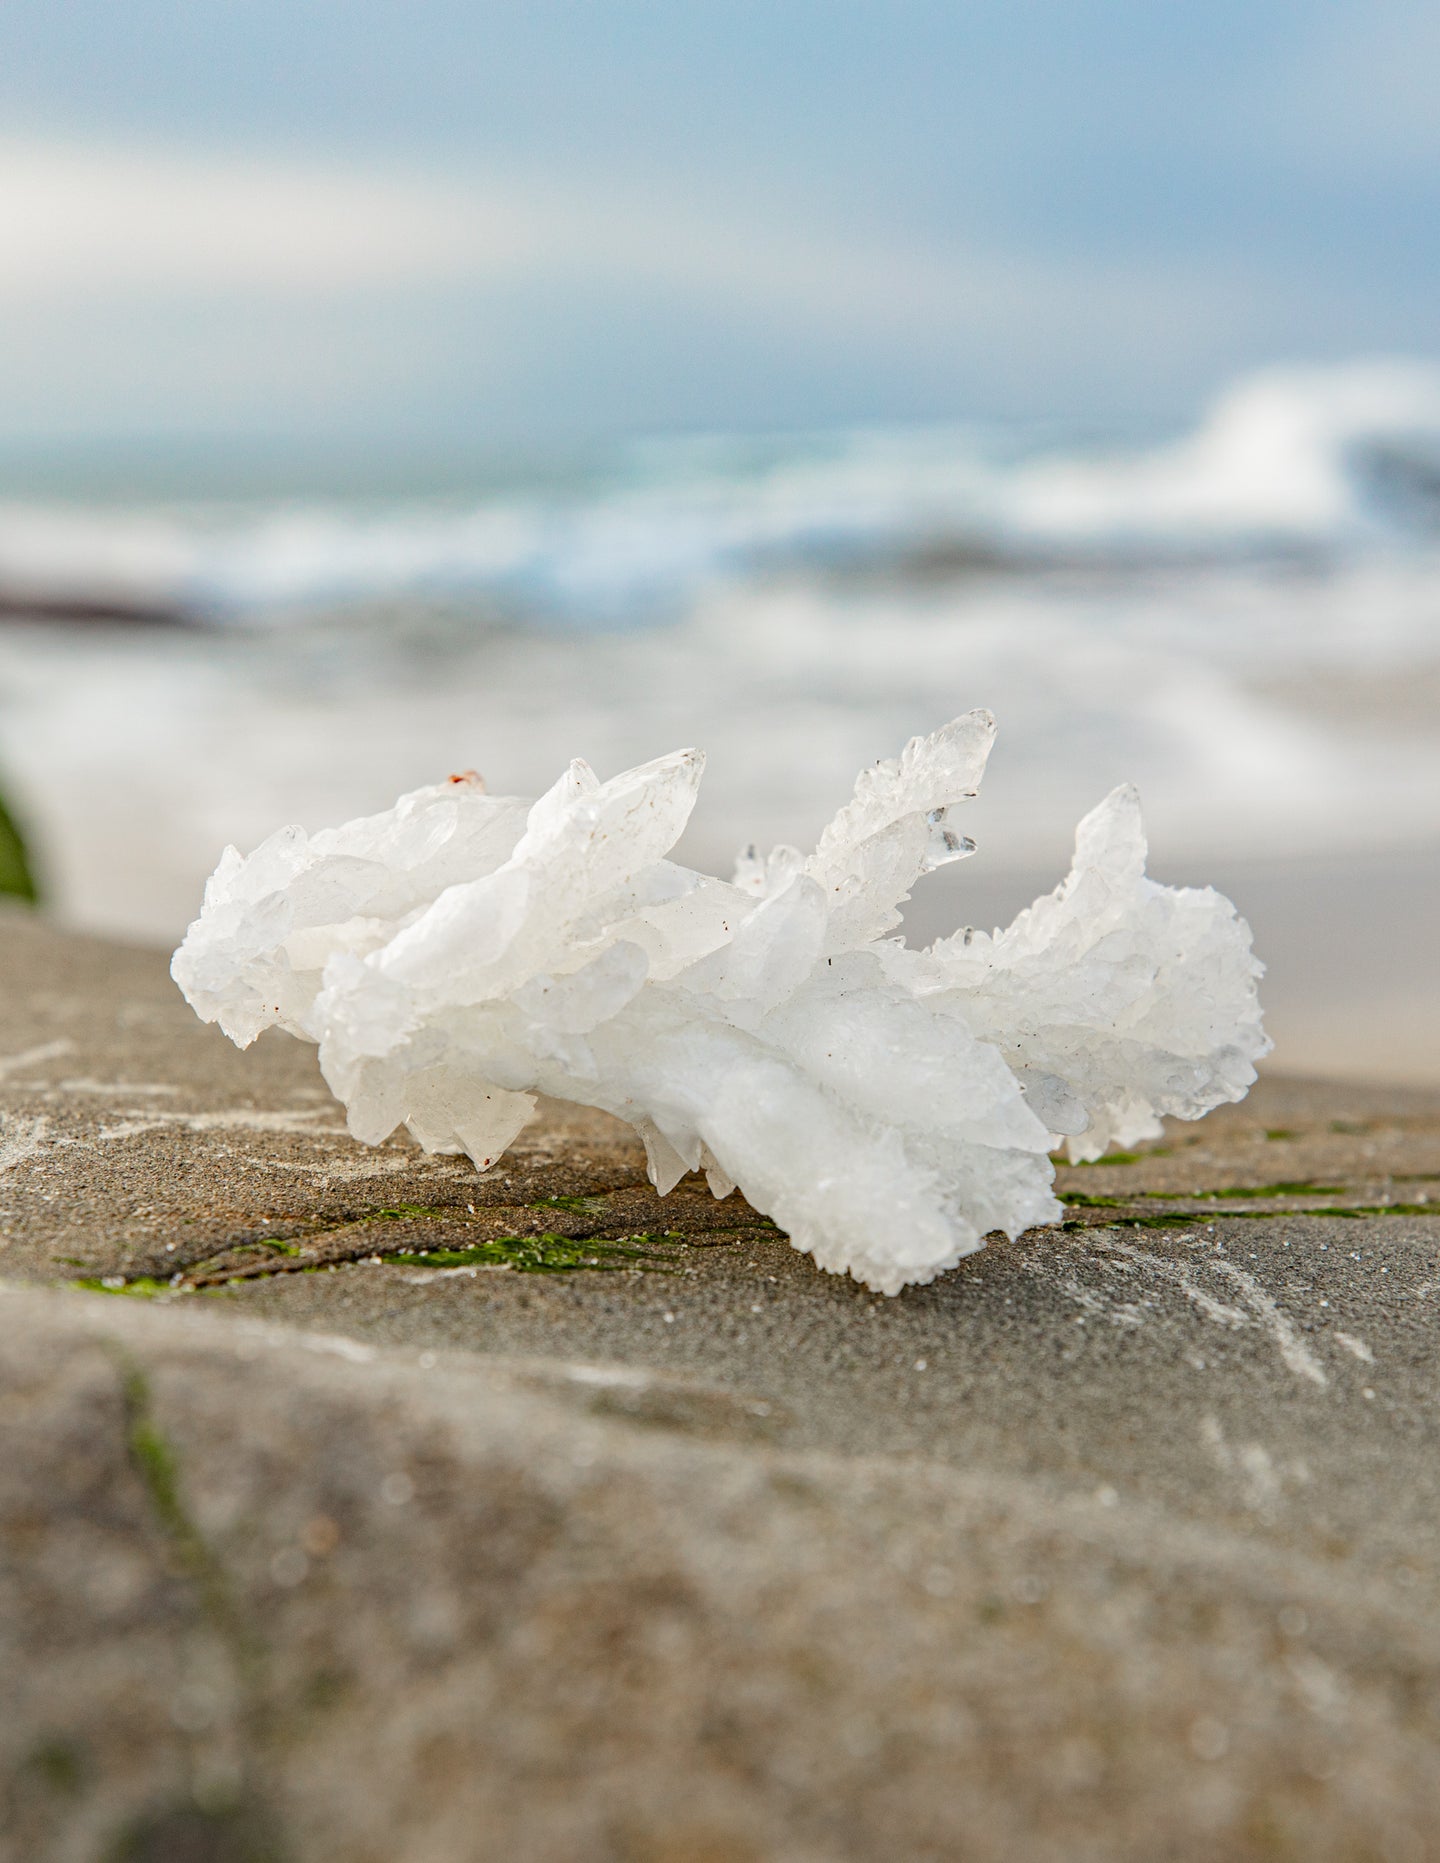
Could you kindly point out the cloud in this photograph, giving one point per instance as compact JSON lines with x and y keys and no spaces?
{"x":176,"y":224}
{"x":166,"y":286}
{"x":139,"y":222}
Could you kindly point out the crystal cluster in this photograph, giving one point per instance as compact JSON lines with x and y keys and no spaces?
{"x":888,"y":1107}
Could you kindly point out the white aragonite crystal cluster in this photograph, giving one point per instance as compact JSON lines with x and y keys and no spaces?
{"x":888,"y":1107}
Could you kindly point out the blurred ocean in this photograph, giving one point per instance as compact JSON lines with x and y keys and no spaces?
{"x":1243,"y":618}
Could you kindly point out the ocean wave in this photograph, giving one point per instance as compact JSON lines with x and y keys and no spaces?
{"x":1320,"y":461}
{"x":1260,"y":713}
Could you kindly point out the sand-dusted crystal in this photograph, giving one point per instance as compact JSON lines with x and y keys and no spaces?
{"x":889,"y":1107}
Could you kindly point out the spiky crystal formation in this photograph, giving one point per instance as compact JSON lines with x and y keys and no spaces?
{"x":888,"y":1107}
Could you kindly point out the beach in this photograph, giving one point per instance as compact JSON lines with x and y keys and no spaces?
{"x":523,"y":531}
{"x":353,"y":1503}
{"x":1237,"y":617}
{"x":609,"y":1525}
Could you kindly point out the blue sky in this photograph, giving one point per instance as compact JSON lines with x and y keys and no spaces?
{"x":504,"y":222}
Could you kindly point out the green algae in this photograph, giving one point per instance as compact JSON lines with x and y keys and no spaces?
{"x":402,"y":1212}
{"x":1079,"y":1200}
{"x":1306,"y":1189}
{"x":268,"y":1256}
{"x":1167,"y":1220}
{"x":140,"y":1286}
{"x":1367,"y":1209}
{"x":1120,"y":1157}
{"x":1190,"y":1219}
{"x":157,"y":1464}
{"x":545,"y":1254}
{"x":59,"y":1763}
{"x":155,"y":1461}
{"x":187,"y":1279}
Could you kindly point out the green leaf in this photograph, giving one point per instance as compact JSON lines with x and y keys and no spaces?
{"x":16,"y":878}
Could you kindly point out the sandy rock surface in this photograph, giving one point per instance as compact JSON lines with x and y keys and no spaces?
{"x":354,"y":1507}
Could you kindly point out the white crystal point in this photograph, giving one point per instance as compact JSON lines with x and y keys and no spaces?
{"x":895,"y":827}
{"x":461,"y":953}
{"x":1116,"y":1000}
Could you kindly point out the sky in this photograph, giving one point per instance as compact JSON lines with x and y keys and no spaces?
{"x":511,"y":222}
